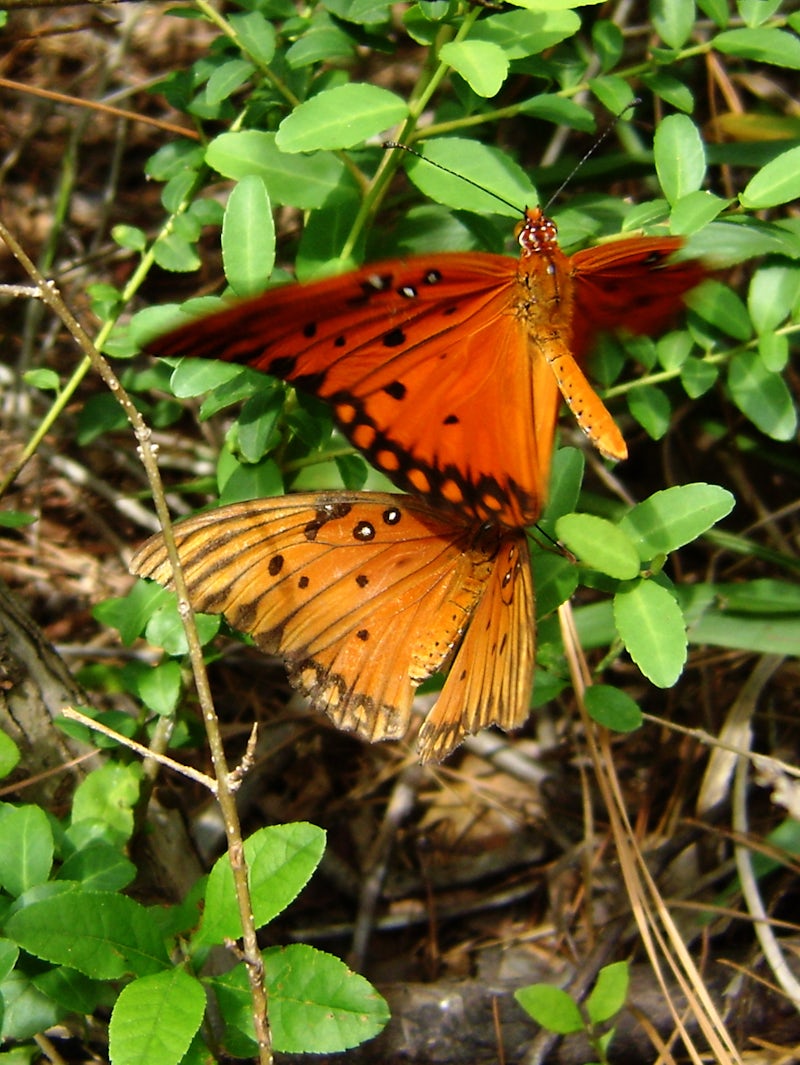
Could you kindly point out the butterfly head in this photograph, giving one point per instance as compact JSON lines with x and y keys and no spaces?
{"x":536,"y":233}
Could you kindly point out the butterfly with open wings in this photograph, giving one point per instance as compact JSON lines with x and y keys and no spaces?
{"x":447,"y":370}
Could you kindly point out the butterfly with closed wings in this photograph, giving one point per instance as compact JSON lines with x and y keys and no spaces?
{"x":446,"y":370}
{"x":365,"y":595}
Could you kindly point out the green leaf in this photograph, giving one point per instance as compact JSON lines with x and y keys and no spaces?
{"x":9,"y":755}
{"x":155,"y":1019}
{"x":98,"y":867}
{"x":251,"y":481}
{"x":164,"y":628}
{"x":697,"y":377}
{"x":227,"y":78}
{"x":281,"y":860}
{"x":299,"y":180}
{"x":608,"y":995}
{"x":129,"y":236}
{"x":490,"y":168}
{"x":26,"y":1011}
{"x":673,"y":20}
{"x":109,"y":795}
{"x":317,"y":1005}
{"x":481,"y":64}
{"x":608,"y":43}
{"x":679,"y":156}
{"x":129,"y":614}
{"x":15,"y":519}
{"x":763,"y":45}
{"x":340,"y":118}
{"x":353,"y":471}
{"x":566,"y":478}
{"x":248,"y":237}
{"x":669,"y":89}
{"x":195,"y":377}
{"x":674,"y":517}
{"x":43,"y":378}
{"x":777,"y":182}
{"x":559,"y":111}
{"x":773,"y":294}
{"x":26,"y":848}
{"x":175,"y":254}
{"x":716,"y":304}
{"x":694,"y":211}
{"x":523,"y":33}
{"x":258,"y":423}
{"x":651,"y":408}
{"x":101,"y":934}
{"x":651,"y":626}
{"x":159,"y":687}
{"x":9,"y":952}
{"x":256,"y":35}
{"x":773,"y":350}
{"x":551,"y":1008}
{"x":763,"y":396}
{"x":612,"y":708}
{"x":614,"y":93}
{"x":599,"y":544}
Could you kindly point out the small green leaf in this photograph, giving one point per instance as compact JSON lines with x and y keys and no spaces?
{"x":490,"y":168}
{"x":155,"y":1019}
{"x":551,"y":1008}
{"x":15,"y":519}
{"x":109,"y":795}
{"x":281,"y":860}
{"x":9,"y":756}
{"x":674,"y":517}
{"x":694,"y":211}
{"x":773,"y":350}
{"x":612,"y":708}
{"x":673,"y":20}
{"x":680,"y":157}
{"x":159,"y":687}
{"x":164,"y":627}
{"x":599,"y":544}
{"x":609,"y":993}
{"x":26,"y":848}
{"x":762,"y":395}
{"x":130,"y":237}
{"x":773,"y":294}
{"x":305,"y":181}
{"x":697,"y":377}
{"x":227,"y":78}
{"x":256,"y":35}
{"x":317,"y":1005}
{"x":716,"y":304}
{"x":651,"y":626}
{"x":481,"y":64}
{"x":522,"y":33}
{"x":101,"y":934}
{"x":258,"y":422}
{"x":340,"y":118}
{"x":764,"y":45}
{"x":248,"y":237}
{"x":776,"y":183}
{"x":175,"y":254}
{"x":45,"y":379}
{"x":129,"y":613}
{"x":614,"y":93}
{"x":651,"y":408}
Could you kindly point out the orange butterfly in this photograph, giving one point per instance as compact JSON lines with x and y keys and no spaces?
{"x":445,"y":370}
{"x":365,"y":595}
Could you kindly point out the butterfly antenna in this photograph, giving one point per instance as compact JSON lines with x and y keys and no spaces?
{"x":591,"y":150}
{"x":454,"y":173}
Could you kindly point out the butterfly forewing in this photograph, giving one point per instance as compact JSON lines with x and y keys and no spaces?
{"x":364,"y":595}
{"x":445,"y":370}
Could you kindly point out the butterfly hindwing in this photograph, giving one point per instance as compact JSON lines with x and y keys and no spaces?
{"x":364,"y":595}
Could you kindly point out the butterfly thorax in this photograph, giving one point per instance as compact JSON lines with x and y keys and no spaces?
{"x":544,"y":294}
